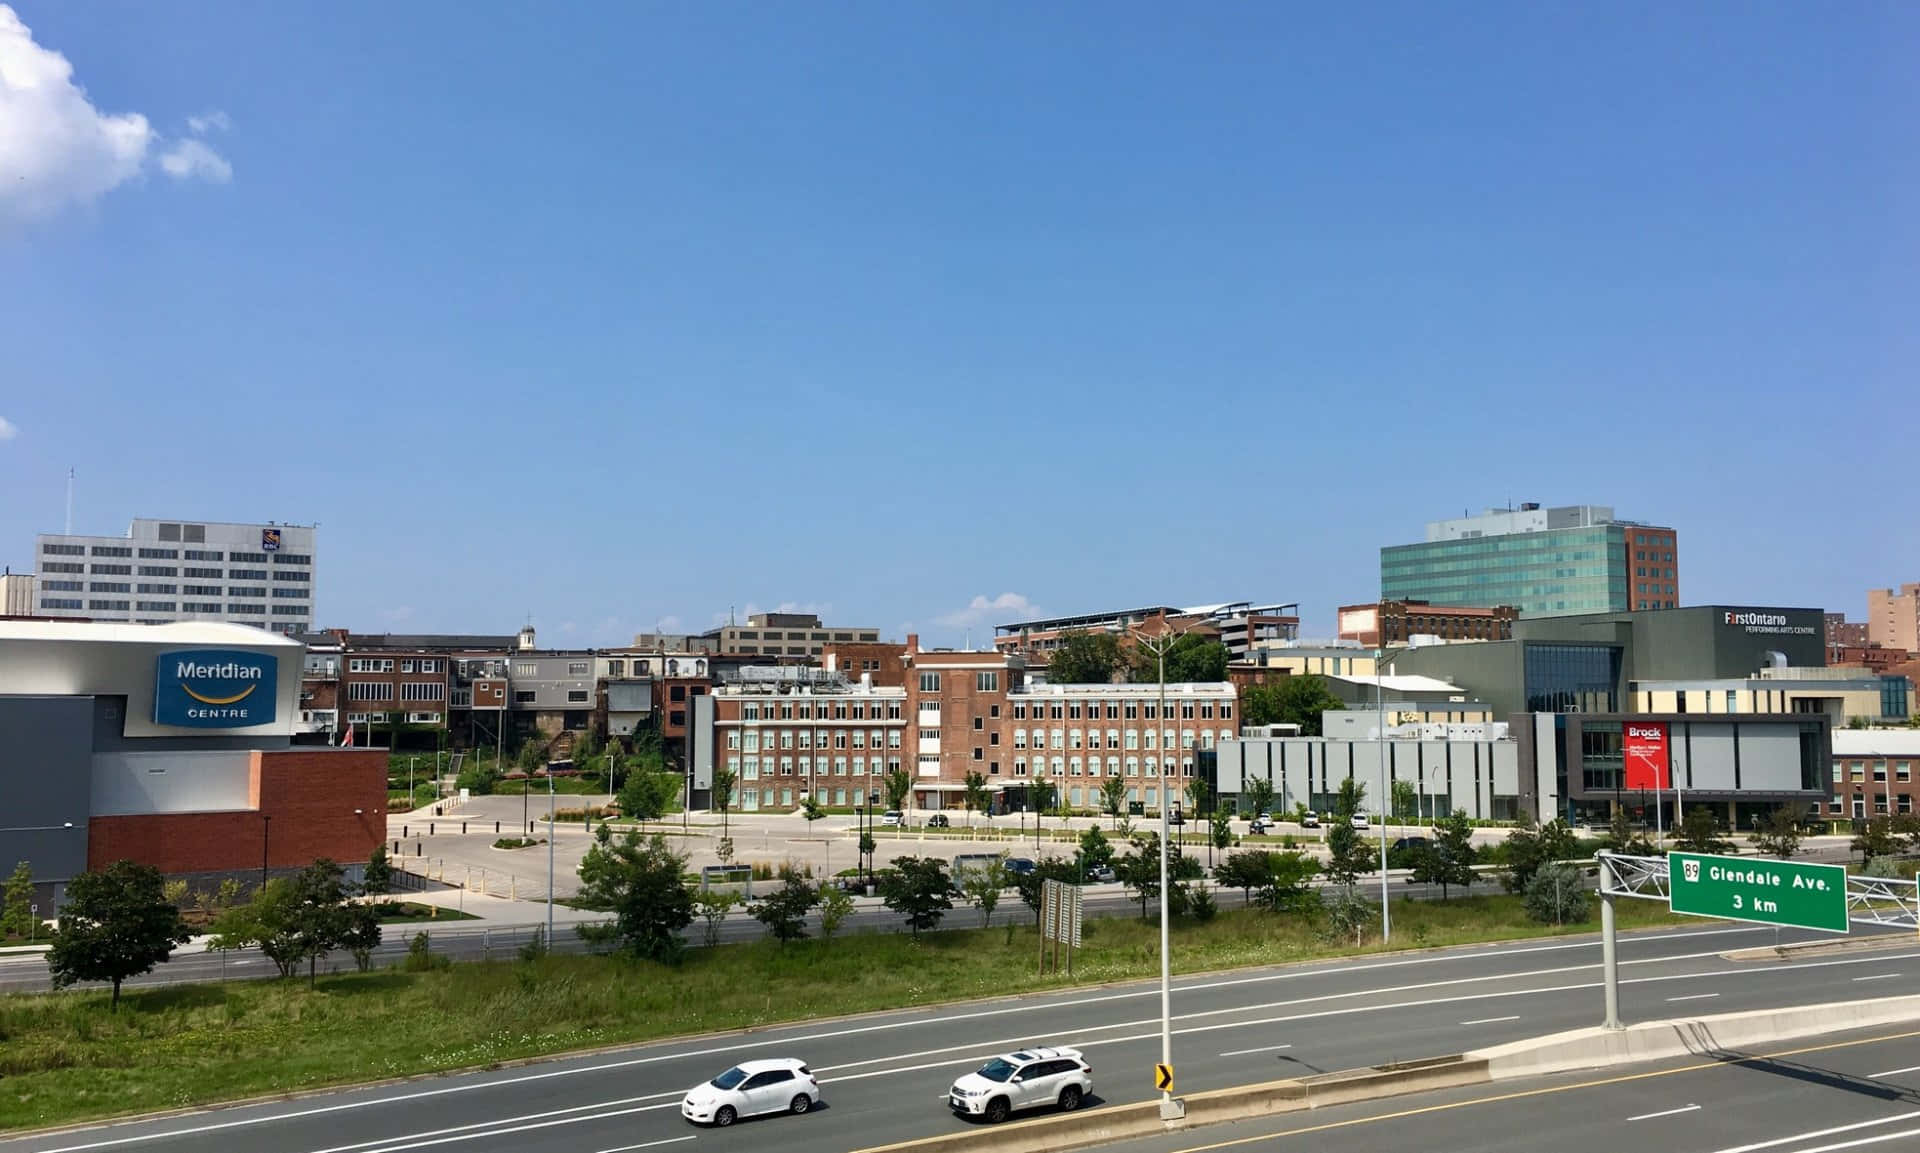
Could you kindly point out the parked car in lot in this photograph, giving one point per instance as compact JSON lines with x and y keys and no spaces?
{"x":1405,"y":852}
{"x":1259,"y":824}
{"x":1019,"y":866}
{"x":939,"y":821}
{"x":1102,"y":875}
{"x":1309,"y":820}
{"x":893,"y":817}
{"x":1360,"y":821}
{"x":751,"y":1088}
{"x":1029,"y":1079}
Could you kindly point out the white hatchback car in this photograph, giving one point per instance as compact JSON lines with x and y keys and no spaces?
{"x":776,"y":1085}
{"x":1027,"y":1079}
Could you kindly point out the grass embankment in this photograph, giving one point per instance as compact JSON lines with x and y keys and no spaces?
{"x":64,"y":1057}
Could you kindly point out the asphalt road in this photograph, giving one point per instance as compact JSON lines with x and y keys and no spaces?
{"x":474,"y":941}
{"x":1820,"y":1095}
{"x":883,"y":1074}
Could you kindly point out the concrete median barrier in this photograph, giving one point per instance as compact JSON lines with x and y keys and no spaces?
{"x":1719,"y":1034}
{"x":1101,"y":1125}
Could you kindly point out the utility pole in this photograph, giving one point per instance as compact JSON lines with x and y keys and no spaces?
{"x":1380,"y":704}
{"x":550,"y":828}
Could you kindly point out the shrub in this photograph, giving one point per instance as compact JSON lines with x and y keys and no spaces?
{"x":1555,"y":895}
{"x":421,"y":958}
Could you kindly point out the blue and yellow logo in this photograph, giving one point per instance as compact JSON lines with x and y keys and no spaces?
{"x":269,"y":540}
{"x":214,"y":689}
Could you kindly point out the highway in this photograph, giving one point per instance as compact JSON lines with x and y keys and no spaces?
{"x":1820,"y":1095}
{"x":883,"y":1073}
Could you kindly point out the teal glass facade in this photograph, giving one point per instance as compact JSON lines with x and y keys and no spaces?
{"x":1570,"y":570}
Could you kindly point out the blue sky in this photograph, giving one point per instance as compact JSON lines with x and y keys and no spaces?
{"x":610,"y":314}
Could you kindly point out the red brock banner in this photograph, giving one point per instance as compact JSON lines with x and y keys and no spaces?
{"x":1645,"y":749}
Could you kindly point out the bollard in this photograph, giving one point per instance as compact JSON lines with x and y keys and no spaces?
{"x":396,"y":848}
{"x":463,"y":828}
{"x":496,"y":828}
{"x":416,"y":848}
{"x":403,"y":833}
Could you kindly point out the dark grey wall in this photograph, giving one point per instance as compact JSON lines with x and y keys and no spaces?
{"x":109,"y":734}
{"x":1490,"y":671}
{"x":1690,"y":644}
{"x":46,"y":778}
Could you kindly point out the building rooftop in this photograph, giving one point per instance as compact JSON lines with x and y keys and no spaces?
{"x":1091,"y":620}
{"x":178,"y":633}
{"x":1876,"y":742}
{"x":1402,"y":683}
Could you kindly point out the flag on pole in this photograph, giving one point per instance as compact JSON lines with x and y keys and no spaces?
{"x":348,"y":743}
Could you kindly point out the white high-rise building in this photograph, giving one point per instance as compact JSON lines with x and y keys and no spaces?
{"x":170,"y":570}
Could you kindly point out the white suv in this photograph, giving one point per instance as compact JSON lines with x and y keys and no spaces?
{"x":1025,"y":1080}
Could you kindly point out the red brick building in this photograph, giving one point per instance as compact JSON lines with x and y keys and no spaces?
{"x":1394,"y":622}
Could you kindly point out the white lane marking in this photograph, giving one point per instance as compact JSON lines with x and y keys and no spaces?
{"x":1859,"y":1141}
{"x":1261,"y":1049}
{"x":1692,"y":997}
{"x":647,"y":1144}
{"x":996,"y":1046}
{"x":1895,"y":1072}
{"x":405,"y":1141}
{"x":1490,"y":1020}
{"x":1664,"y":1113}
{"x":1878,"y":977}
{"x":1817,"y":1133}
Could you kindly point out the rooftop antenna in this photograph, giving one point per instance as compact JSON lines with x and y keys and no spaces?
{"x":69,"y":502}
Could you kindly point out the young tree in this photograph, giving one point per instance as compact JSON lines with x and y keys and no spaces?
{"x":1139,"y":869}
{"x":1259,"y":794}
{"x":1220,"y":829}
{"x":639,"y":881}
{"x":1113,"y":796}
{"x":1348,"y":802}
{"x":919,"y":890}
{"x":1876,"y":840}
{"x":646,"y":795}
{"x":899,"y":784}
{"x":1198,"y":795}
{"x":866,"y":846}
{"x":1778,"y":834}
{"x":811,"y":810}
{"x":1246,"y":870}
{"x":713,"y":907}
{"x":1622,"y":837}
{"x":1286,"y":887}
{"x":16,"y":907}
{"x":784,"y":911}
{"x":1043,"y":795}
{"x":974,"y":794}
{"x":723,"y":782}
{"x":1530,"y":846}
{"x":1556,"y":894}
{"x":1700,"y":833}
{"x":1095,"y":849}
{"x":1348,"y":855}
{"x":1084,"y":659}
{"x":378,"y":877}
{"x":1295,"y":700}
{"x":835,"y":907}
{"x":116,"y":924}
{"x":982,"y":886}
{"x":1406,"y":800}
{"x":1031,"y":884}
{"x":360,"y":934}
{"x":1449,"y":861}
{"x":292,"y":919}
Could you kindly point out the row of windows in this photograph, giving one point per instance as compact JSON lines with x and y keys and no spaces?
{"x":754,"y":740}
{"x":111,"y":550}
{"x":369,"y":690}
{"x":109,"y":587}
{"x":1071,"y":738}
{"x":1071,"y":767}
{"x":59,"y":603}
{"x":291,"y":594}
{"x":292,"y":558}
{"x":747,"y":768}
{"x":202,"y":554}
{"x":63,"y":550}
{"x":1902,"y":770}
{"x":292,"y":575}
{"x":159,"y":554}
{"x":1656,"y":590}
{"x":530,"y":697}
{"x":62,"y":566}
{"x":1128,"y":710}
{"x":63,"y":586}
{"x":776,"y":635}
{"x":423,"y":691}
{"x":289,"y":610}
{"x":805,"y":710}
{"x":247,"y":557}
{"x":112,"y":569}
{"x":248,"y":610}
{"x":247,"y":574}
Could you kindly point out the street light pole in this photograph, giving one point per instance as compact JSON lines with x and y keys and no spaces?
{"x":549,"y":859}
{"x":1380,"y":703}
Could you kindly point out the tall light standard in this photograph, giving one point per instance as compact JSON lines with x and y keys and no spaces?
{"x":1381,"y":662}
{"x":1171,"y":1107}
{"x":549,"y":857}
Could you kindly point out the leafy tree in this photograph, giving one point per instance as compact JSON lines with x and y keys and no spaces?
{"x":1556,"y":895}
{"x":477,"y":779}
{"x":1286,"y":888}
{"x":919,"y":890}
{"x":1778,"y":834}
{"x":982,"y":886}
{"x":1623,"y":838}
{"x":713,"y":907}
{"x":1406,"y":799}
{"x":1139,"y":869}
{"x":1221,"y":827}
{"x":1348,"y":915}
{"x":1876,"y":840}
{"x":360,"y":933}
{"x":723,"y":849}
{"x":1030,"y":885}
{"x":723,"y":782}
{"x":1293,"y":700}
{"x":1699,"y":832}
{"x":835,"y":907}
{"x":533,"y":754}
{"x":646,"y":795}
{"x":378,"y":877}
{"x":1349,"y":800}
{"x":1198,"y":794}
{"x":1246,"y":870}
{"x":899,"y":784}
{"x":1348,"y":854}
{"x":1449,"y":860}
{"x":1531,"y":846}
{"x":1084,"y":659}
{"x":784,"y":911}
{"x":1192,"y":657}
{"x":974,"y":793}
{"x":867,"y":847}
{"x":1113,"y":796}
{"x":292,"y":919}
{"x":639,"y":882}
{"x":1260,"y":795}
{"x":1043,"y":795}
{"x":16,"y":908}
{"x":116,"y":924}
{"x":811,"y":810}
{"x":1095,"y":849}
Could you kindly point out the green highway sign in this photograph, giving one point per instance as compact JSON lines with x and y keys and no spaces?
{"x":1758,"y":889}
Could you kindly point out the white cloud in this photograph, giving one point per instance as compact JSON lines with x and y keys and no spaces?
{"x":7,"y":430}
{"x":667,"y":624}
{"x":817,"y":608}
{"x":981,"y":610}
{"x":398,"y":614}
{"x":56,"y":148}
{"x":212,"y":121}
{"x":188,"y":159}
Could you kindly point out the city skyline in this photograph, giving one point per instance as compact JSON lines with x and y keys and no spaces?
{"x":891,"y":315}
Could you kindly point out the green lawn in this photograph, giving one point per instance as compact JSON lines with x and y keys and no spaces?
{"x":64,"y":1057}
{"x":414,"y":913}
